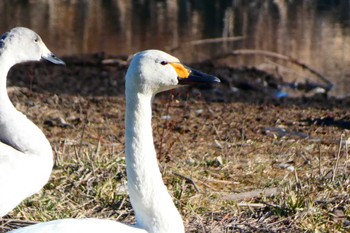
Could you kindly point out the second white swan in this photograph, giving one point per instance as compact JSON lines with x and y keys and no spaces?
{"x":150,"y":72}
{"x":25,"y":154}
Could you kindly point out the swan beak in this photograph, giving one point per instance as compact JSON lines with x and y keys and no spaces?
{"x":187,"y":75}
{"x":52,"y":58}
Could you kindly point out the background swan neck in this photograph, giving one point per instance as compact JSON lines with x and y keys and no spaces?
{"x":5,"y":66}
{"x":15,"y":128}
{"x":154,"y":208}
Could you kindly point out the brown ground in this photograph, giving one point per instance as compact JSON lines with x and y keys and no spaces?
{"x":214,"y":145}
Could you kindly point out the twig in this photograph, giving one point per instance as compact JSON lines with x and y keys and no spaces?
{"x":256,"y":205}
{"x":296,"y":176}
{"x":82,"y":136}
{"x":208,"y":186}
{"x":337,"y":160}
{"x":346,"y":153}
{"x":319,"y":160}
{"x":188,"y":180}
{"x":251,"y":194}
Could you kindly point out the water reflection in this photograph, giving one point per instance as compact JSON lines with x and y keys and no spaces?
{"x":316,"y":31}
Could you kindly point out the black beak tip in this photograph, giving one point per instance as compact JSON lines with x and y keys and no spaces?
{"x":53,"y":59}
{"x":216,"y":79}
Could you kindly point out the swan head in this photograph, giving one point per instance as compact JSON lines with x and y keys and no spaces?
{"x":25,"y":45}
{"x":154,"y":71}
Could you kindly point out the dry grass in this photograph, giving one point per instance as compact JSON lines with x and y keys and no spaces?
{"x":208,"y":151}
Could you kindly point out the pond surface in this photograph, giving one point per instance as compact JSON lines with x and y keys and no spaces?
{"x":314,"y":32}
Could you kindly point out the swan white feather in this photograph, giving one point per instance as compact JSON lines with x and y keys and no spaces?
{"x":25,"y":153}
{"x":150,"y":72}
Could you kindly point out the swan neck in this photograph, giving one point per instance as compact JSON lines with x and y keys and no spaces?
{"x":140,"y":151}
{"x":154,"y":208}
{"x":16,"y":130}
{"x":5,"y":66}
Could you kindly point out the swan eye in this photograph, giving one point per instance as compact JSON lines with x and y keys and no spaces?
{"x":164,"y":63}
{"x":36,"y":39}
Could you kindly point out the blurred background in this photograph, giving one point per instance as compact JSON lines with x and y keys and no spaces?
{"x":315,"y":32}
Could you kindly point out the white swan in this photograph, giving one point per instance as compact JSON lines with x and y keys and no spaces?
{"x":150,"y":72}
{"x":25,"y":153}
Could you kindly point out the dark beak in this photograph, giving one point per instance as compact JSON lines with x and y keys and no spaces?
{"x":52,"y":58}
{"x":197,"y":77}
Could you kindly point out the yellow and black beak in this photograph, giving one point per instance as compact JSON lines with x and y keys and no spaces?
{"x":188,"y":75}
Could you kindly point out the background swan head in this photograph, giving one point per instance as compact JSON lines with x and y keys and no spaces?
{"x":153,"y":71}
{"x":25,"y":45}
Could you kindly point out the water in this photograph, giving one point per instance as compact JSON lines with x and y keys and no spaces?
{"x":315,"y":32}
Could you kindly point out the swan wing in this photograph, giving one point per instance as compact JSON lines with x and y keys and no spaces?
{"x":21,"y":175}
{"x":12,"y":191}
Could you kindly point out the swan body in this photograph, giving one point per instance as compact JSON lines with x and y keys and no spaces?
{"x":84,"y":225}
{"x":150,"y":72}
{"x":25,"y":154}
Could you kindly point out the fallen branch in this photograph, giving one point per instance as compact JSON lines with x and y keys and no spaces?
{"x":281,"y":57}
